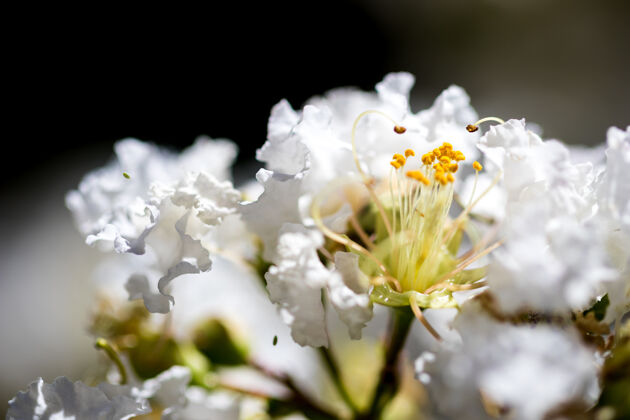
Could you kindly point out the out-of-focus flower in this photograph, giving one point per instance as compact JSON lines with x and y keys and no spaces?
{"x":168,"y":394}
{"x":556,"y":223}
{"x":613,"y":199}
{"x":64,"y":399}
{"x":159,"y":206}
{"x":170,"y":391}
{"x":518,"y":371}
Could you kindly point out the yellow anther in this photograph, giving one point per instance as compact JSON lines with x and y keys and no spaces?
{"x":450,"y":177}
{"x":441,"y":178}
{"x":459,"y":156}
{"x":477,"y":166}
{"x":399,"y":158}
{"x":445,"y":160}
{"x":437,"y":153}
{"x":418,"y":176}
{"x":447,"y":146}
{"x":438,"y":167}
{"x":428,"y":158}
{"x":409,"y":152}
{"x":395,"y":164}
{"x":453,"y":167}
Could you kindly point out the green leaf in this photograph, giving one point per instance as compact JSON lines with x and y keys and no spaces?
{"x":599,"y":308}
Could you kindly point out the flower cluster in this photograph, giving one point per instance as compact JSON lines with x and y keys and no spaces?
{"x":512,"y":252}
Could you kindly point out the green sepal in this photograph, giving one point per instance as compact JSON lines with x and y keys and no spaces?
{"x":470,"y":276}
{"x":385,"y":295}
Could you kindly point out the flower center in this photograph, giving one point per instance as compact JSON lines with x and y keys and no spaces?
{"x":420,"y":198}
{"x":404,"y":235}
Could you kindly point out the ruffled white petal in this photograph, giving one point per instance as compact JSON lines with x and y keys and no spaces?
{"x":348,"y":293}
{"x":169,"y":390}
{"x":106,"y":198}
{"x":277,"y":205}
{"x":161,"y":212}
{"x":553,"y":258}
{"x":549,"y":264}
{"x":174,"y":252}
{"x":66,"y":400}
{"x":211,"y":200}
{"x":296,"y":281}
{"x":446,"y":121}
{"x":613,"y":198}
{"x":526,"y":370}
{"x":202,"y":405}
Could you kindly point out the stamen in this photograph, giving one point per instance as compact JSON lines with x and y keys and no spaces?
{"x":462,"y":266}
{"x":382,"y":280}
{"x":474,"y":127}
{"x":112,"y":353}
{"x":418,"y":176}
{"x":397,"y":128}
{"x":418,"y":314}
{"x":477,"y":166}
{"x":366,"y":179}
{"x":354,"y":221}
{"x":470,"y":206}
{"x":343,"y":240}
{"x":126,"y":175}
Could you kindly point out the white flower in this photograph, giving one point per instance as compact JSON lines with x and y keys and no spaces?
{"x":160,"y":212}
{"x":277,"y":205}
{"x":613,"y":198}
{"x":349,"y":293}
{"x":548,"y":264}
{"x":532,"y":168}
{"x":307,"y":151}
{"x":295,"y":283}
{"x":64,"y":399}
{"x":445,"y":120}
{"x":170,"y":390}
{"x":522,"y":372}
{"x":108,"y":201}
{"x":202,"y":405}
{"x":553,"y":258}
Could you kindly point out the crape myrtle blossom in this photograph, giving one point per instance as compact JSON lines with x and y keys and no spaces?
{"x":564,"y":247}
{"x":512,"y":251}
{"x":64,"y":399}
{"x":326,"y":146}
{"x":613,"y":200}
{"x":553,"y":258}
{"x":168,"y":393}
{"x":159,"y":206}
{"x":498,"y":369}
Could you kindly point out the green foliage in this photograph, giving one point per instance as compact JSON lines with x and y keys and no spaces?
{"x":599,"y":308}
{"x":614,"y":402}
{"x":214,"y":341}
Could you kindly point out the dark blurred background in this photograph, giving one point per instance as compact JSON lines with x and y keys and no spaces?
{"x":78,"y":79}
{"x":82,"y":79}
